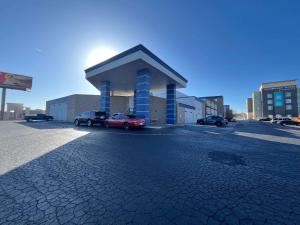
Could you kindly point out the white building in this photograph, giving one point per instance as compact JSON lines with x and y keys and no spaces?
{"x":196,"y":111}
{"x":257,"y":105}
{"x":14,"y":111}
{"x":190,"y":108}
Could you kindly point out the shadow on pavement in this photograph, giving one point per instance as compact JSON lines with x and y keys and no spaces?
{"x":267,"y":129}
{"x":95,"y":128}
{"x":106,"y":179}
{"x":45,"y":124}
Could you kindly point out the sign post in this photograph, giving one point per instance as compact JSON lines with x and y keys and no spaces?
{"x":12,"y":81}
{"x":2,"y":103}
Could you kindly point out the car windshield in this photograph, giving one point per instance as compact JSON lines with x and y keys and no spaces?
{"x":100,"y":113}
{"x":132,"y":116}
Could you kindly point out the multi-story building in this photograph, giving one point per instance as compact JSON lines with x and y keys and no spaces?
{"x":256,"y":105}
{"x":214,"y":105}
{"x":298,"y":97}
{"x":228,"y":114}
{"x":249,"y":108}
{"x":275,"y":99}
{"x":279,"y":99}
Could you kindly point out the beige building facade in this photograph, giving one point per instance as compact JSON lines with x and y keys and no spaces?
{"x":67,"y":108}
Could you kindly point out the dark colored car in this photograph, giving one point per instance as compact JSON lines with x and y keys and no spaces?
{"x":91,"y":118}
{"x":121,"y":120}
{"x":265,"y":119}
{"x":38,"y":117}
{"x":213,"y":120}
{"x":291,"y":122}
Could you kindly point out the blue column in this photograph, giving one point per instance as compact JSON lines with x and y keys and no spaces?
{"x":142,"y":98}
{"x":105,"y":96}
{"x":171,"y":114}
{"x":134,"y":102}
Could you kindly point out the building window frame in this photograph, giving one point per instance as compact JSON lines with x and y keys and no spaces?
{"x":288,"y":101}
{"x":288,"y":94}
{"x":288,"y":107}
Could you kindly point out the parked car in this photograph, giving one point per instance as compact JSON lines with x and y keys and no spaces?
{"x":291,"y":122}
{"x":213,"y":120}
{"x":278,"y":120}
{"x":38,"y":117}
{"x":230,"y":119}
{"x":91,"y":118}
{"x":121,"y":120}
{"x":265,"y":119}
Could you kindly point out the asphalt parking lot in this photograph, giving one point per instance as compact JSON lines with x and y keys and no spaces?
{"x":53,"y":173}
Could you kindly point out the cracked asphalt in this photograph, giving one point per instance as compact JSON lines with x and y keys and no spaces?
{"x":53,"y":173}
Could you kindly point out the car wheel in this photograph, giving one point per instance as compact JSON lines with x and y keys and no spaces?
{"x":218,"y":124}
{"x":201,"y":123}
{"x":77,"y":124}
{"x":106,"y":125}
{"x":126,"y":126}
{"x":89,"y":123}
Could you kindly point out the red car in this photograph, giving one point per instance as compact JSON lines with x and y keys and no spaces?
{"x":124,"y":121}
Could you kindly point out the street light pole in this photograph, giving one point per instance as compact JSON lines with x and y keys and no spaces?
{"x":2,"y":103}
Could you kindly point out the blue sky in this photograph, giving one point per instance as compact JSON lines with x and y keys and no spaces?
{"x":222,"y":47}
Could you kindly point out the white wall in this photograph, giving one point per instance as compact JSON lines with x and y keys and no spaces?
{"x":199,"y":111}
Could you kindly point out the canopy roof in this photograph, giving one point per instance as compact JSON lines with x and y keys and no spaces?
{"x":121,"y":70}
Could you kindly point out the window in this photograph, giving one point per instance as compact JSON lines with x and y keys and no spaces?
{"x":288,"y":94}
{"x":269,"y":96}
{"x":270,"y":107}
{"x":122,"y":116}
{"x":288,"y":100}
{"x":270,"y":101}
{"x":288,"y":107}
{"x":86,"y":114}
{"x":132,"y":116}
{"x":115,"y":116}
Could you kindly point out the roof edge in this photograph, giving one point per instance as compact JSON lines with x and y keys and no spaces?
{"x":139,"y":47}
{"x":275,"y":82}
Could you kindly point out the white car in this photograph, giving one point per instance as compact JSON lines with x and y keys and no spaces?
{"x":278,"y":120}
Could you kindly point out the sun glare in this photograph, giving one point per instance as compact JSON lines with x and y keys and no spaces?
{"x":99,"y":55}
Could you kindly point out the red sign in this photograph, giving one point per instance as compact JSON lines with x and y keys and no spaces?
{"x":14,"y":81}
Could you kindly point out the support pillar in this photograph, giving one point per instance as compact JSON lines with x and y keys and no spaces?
{"x":105,"y":96}
{"x":134,"y":102}
{"x":171,"y":114}
{"x":142,"y":97}
{"x":2,"y":104}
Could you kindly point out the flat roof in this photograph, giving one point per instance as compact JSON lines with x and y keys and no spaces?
{"x":275,"y":82}
{"x":121,"y":70}
{"x":216,"y":96}
{"x":278,"y":84}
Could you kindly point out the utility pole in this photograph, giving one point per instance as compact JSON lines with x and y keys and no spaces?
{"x":2,"y":103}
